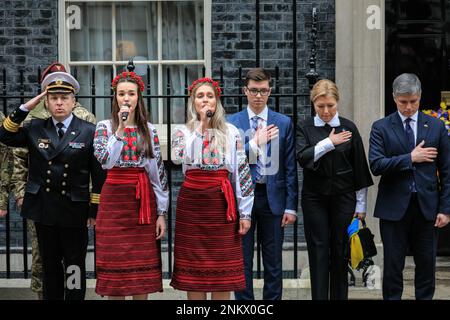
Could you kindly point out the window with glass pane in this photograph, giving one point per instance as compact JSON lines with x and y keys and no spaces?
{"x":158,"y":35}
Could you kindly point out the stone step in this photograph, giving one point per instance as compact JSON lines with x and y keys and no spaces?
{"x":355,"y":293}
{"x":442,"y":269}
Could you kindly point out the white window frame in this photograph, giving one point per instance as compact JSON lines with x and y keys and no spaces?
{"x":64,"y":45}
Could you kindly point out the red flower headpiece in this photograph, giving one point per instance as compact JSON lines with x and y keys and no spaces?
{"x":206,"y":80}
{"x":129,"y":75}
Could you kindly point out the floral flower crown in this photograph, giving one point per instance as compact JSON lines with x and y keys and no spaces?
{"x":206,"y":80}
{"x":129,"y":75}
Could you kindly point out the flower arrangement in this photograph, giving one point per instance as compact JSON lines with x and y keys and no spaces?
{"x":442,"y":114}
{"x":206,"y":80}
{"x":129,"y":75}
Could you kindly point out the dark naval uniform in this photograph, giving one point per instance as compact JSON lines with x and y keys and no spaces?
{"x":57,"y":196}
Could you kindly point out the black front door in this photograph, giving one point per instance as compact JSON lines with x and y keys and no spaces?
{"x":418,"y":41}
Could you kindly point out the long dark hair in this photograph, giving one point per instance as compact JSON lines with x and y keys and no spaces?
{"x":140,"y":118}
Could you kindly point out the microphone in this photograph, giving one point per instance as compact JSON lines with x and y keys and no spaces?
{"x":209,"y":114}
{"x":124,"y":114}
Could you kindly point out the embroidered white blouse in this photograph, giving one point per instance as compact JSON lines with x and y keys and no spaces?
{"x":112,"y":151}
{"x":192,"y":150}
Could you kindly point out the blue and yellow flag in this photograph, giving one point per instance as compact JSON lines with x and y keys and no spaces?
{"x":356,"y":252}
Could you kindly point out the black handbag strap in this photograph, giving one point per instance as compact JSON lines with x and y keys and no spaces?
{"x":363,"y":222}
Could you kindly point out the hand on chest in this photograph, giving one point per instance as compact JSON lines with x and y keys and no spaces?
{"x":341,"y":137}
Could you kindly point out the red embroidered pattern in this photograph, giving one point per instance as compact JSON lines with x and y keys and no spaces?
{"x":130,"y":145}
{"x":209,"y":155}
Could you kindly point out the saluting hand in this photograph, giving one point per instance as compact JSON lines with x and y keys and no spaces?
{"x":30,"y":105}
{"x":339,"y":138}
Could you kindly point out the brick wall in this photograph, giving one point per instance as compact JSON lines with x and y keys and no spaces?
{"x":28,"y":38}
{"x":234,"y":46}
{"x":233,"y":39}
{"x":29,"y":30}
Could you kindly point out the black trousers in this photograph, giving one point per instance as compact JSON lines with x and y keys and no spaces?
{"x":63,"y":251}
{"x":326,"y":219}
{"x":418,"y":234}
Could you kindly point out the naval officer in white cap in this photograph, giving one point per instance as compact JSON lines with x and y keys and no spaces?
{"x":57,"y":196}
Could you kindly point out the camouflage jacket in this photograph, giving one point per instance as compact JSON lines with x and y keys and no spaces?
{"x":20,"y":155}
{"x":6,"y":169}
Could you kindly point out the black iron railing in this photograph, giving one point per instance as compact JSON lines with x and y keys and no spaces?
{"x":298,"y":101}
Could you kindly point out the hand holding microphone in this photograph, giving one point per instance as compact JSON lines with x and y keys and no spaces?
{"x":123,"y":119}
{"x":124,"y":112}
{"x":205,"y":116}
{"x":206,"y":113}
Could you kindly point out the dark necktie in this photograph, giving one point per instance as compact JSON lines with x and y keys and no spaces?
{"x":411,"y":144}
{"x":60,"y":125}
{"x":410,"y":134}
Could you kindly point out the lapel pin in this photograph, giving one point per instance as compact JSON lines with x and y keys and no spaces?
{"x":72,"y":133}
{"x":425,"y":125}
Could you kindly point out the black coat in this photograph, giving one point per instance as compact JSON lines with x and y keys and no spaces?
{"x":57,"y":191}
{"x":342,"y":170}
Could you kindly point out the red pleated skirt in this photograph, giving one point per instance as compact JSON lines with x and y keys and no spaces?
{"x":128,"y":257}
{"x":208,"y":250}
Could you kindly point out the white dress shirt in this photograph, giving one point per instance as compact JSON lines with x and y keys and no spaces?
{"x":66,"y":123}
{"x":261,"y":151}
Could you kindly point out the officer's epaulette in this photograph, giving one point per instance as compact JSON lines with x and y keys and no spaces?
{"x":13,"y":121}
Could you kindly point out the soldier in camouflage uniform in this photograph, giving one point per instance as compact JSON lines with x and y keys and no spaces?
{"x":6,"y":168}
{"x":20,"y":175}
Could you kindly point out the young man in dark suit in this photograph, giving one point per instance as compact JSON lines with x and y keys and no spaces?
{"x":57,"y":196}
{"x":411,"y":152}
{"x":270,"y":146}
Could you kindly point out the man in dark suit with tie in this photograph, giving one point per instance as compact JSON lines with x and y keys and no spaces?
{"x":410,"y":151}
{"x":57,"y":194}
{"x":270,"y":146}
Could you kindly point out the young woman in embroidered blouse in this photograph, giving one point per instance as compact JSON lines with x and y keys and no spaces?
{"x":208,"y":251}
{"x":134,"y":198}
